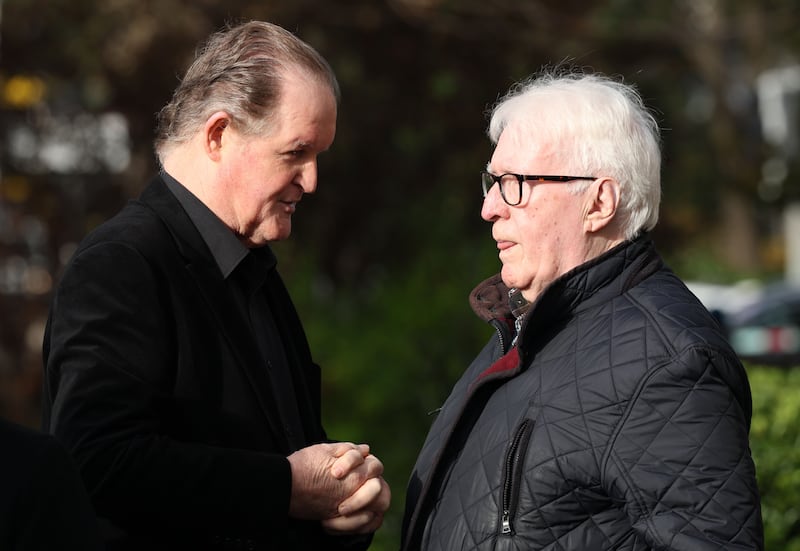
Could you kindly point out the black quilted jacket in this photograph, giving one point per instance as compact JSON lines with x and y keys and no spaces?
{"x":620,"y":421}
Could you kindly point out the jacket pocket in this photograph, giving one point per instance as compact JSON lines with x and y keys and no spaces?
{"x":512,"y":475}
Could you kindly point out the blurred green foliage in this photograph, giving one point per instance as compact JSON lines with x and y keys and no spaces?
{"x":775,"y":443}
{"x":700,"y":263}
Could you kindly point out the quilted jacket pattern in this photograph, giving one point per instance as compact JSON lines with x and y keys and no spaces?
{"x":619,"y":421}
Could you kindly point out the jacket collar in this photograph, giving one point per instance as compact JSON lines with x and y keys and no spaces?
{"x":600,"y":279}
{"x":593,"y":282}
{"x":225,"y":247}
{"x":203,"y":269}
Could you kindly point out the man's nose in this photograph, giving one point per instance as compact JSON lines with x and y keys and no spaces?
{"x":493,"y":204}
{"x":308,"y":177}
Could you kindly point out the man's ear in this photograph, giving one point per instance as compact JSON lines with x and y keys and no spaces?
{"x":213,"y":132}
{"x":602,"y":203}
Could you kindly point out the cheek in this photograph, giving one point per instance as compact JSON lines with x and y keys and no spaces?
{"x":541,"y":243}
{"x":531,"y":233}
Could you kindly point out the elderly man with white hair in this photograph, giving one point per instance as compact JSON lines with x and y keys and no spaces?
{"x":607,"y":411}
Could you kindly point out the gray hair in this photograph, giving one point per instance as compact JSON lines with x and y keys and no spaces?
{"x":595,"y":125}
{"x":239,"y":70}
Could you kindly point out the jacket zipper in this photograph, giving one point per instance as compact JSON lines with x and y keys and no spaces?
{"x":513,"y":473}
{"x":498,"y":326}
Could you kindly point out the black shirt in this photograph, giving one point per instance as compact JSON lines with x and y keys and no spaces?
{"x":247,"y":272}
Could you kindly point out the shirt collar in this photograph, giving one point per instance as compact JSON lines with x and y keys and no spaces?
{"x":519,"y":307}
{"x":225,"y":247}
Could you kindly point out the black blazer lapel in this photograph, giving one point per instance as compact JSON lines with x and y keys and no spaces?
{"x":230,"y":320}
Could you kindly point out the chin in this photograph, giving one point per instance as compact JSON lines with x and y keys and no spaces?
{"x":281,"y":233}
{"x":508,"y":278}
{"x":275,"y":233}
{"x":256,"y":241}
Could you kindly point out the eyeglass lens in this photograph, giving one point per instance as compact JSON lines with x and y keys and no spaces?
{"x":510,"y":187}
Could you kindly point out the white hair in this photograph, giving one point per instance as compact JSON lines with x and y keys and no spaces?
{"x":594,"y":125}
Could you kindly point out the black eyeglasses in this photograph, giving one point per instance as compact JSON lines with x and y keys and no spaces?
{"x":511,"y":184}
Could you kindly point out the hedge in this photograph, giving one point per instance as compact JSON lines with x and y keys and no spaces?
{"x":775,"y":444}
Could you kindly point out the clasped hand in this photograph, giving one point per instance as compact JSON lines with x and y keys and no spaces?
{"x":341,"y":485}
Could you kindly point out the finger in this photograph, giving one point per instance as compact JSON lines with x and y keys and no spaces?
{"x":381,"y":502}
{"x":362,"y":497}
{"x":374,"y":466}
{"x":359,"y":472}
{"x":362,"y":522}
{"x":372,"y":526}
{"x":384,"y":500}
{"x":340,"y":448}
{"x":363,"y":448}
{"x":347,"y":462}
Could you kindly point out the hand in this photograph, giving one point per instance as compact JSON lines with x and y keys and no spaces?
{"x":362,"y":513}
{"x":325,"y":475}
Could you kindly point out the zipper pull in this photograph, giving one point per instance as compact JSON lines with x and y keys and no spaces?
{"x":506,"y":523}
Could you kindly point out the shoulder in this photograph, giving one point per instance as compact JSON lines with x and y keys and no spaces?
{"x":142,"y":222}
{"x":136,"y":225}
{"x":689,"y":336}
{"x":141,"y":234}
{"x":677,"y":314}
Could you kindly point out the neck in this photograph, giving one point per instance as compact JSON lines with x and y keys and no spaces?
{"x":193,"y":174}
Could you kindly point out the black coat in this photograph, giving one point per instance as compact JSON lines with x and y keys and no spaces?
{"x":155,"y":383}
{"x":43,"y":504}
{"x":620,"y":421}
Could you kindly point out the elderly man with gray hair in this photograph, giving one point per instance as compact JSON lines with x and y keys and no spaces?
{"x":177,"y":371}
{"x":607,"y":411}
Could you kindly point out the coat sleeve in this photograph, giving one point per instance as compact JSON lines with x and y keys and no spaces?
{"x":44,"y":504}
{"x":681,"y":460}
{"x":109,"y":370}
